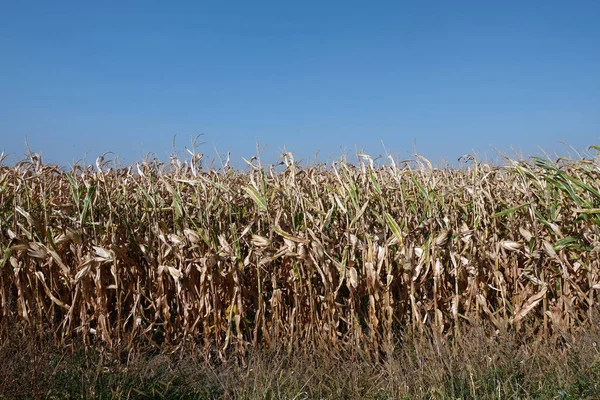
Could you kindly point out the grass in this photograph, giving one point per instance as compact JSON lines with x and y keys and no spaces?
{"x":485,"y":364}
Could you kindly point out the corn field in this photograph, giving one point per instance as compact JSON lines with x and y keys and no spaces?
{"x":342,"y":255}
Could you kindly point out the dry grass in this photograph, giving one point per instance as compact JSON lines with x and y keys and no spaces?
{"x":344,"y":257}
{"x":506,"y":366}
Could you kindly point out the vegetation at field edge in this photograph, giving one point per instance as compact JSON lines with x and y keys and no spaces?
{"x":349,"y":261}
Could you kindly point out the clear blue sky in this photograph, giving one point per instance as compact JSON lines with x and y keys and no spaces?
{"x":454,"y":76}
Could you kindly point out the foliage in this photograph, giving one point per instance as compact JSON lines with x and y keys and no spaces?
{"x":346,"y":257}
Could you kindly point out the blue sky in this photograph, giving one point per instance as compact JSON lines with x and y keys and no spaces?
{"x":452,"y":77}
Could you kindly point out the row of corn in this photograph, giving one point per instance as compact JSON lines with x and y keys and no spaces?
{"x":339,"y":256}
